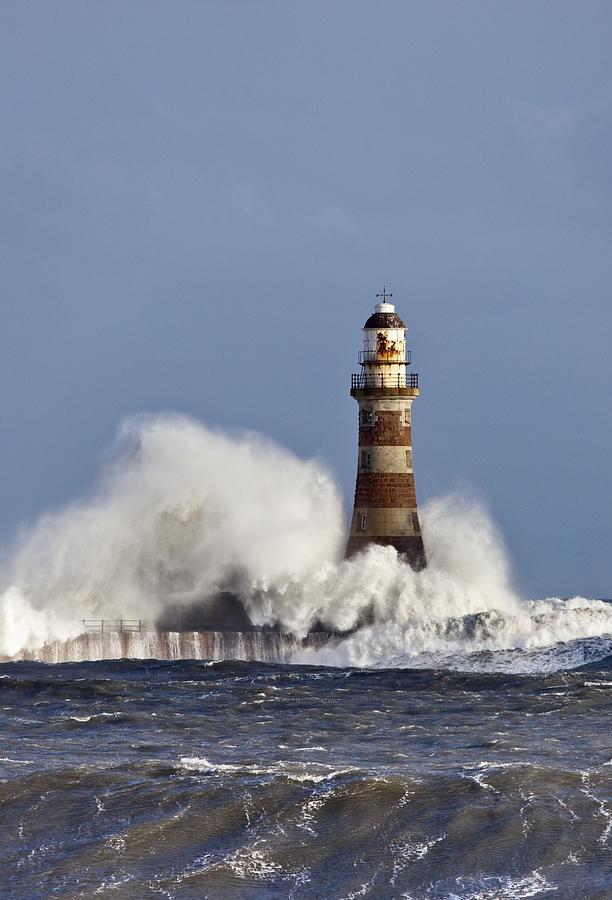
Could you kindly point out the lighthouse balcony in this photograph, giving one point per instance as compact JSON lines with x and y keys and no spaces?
{"x":389,"y":357}
{"x":406,"y":383}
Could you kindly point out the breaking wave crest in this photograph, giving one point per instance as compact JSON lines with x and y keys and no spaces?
{"x":182,"y":513}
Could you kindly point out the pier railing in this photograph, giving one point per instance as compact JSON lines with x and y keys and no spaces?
{"x":134,"y":626}
{"x":104,"y":626}
{"x":361,"y":381}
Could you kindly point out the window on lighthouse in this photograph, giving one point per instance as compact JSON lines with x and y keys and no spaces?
{"x":367,"y":417}
{"x":366,"y":459}
{"x":362,"y":522}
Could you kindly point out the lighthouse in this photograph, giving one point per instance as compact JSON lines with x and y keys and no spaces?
{"x":385,"y":509}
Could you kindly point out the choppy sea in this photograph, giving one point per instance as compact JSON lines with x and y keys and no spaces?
{"x":239,"y":780}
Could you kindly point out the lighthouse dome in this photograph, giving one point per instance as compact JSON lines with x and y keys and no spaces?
{"x":384,"y":319}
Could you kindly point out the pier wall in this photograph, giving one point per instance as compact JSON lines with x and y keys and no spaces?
{"x":267,"y":647}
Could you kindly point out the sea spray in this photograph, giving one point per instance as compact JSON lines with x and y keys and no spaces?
{"x":182,"y":512}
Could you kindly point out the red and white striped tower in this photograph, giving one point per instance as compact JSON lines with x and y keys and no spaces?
{"x":385,"y":510}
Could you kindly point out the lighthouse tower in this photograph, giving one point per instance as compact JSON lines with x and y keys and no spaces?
{"x":385,"y":510}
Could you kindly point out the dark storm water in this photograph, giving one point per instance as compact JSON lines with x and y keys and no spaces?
{"x":183,"y":779}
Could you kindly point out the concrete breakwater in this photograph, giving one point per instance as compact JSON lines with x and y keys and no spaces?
{"x":260,"y":646}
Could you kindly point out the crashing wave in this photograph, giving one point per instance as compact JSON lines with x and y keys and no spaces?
{"x":183,"y":514}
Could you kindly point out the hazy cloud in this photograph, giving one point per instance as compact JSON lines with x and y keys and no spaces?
{"x":547,"y":130}
{"x":249,"y":201}
{"x":336,"y":220}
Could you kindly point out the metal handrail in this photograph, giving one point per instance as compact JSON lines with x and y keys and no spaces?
{"x":360,"y":381}
{"x":103,"y":626}
{"x":403,"y":357}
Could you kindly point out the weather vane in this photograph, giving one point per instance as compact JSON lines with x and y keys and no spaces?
{"x":384,"y":294}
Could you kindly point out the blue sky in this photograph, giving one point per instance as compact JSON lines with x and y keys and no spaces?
{"x":200,"y":200}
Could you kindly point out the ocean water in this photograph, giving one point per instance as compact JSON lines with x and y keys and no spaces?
{"x":455,"y":744}
{"x":190,"y":779}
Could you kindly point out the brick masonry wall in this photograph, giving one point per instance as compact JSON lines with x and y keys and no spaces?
{"x":385,"y":489}
{"x":387,"y":430}
{"x":385,"y":508}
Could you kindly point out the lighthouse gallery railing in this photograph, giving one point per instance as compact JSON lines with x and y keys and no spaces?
{"x":360,"y":381}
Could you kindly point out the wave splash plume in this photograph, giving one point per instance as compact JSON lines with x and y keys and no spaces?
{"x":182,"y":514}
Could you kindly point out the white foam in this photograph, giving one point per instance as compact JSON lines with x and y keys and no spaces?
{"x":249,"y":862}
{"x":102,"y":715}
{"x":503,"y":887}
{"x":406,"y":852}
{"x":602,"y":807}
{"x":313,"y":773}
{"x":182,"y":511}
